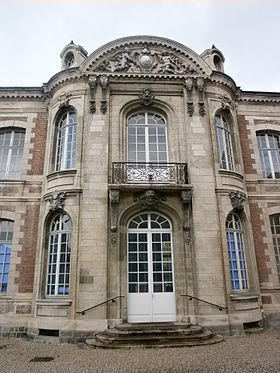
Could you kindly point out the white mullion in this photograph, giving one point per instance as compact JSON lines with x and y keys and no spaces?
{"x":147,"y":147}
{"x":57,"y":263}
{"x":269,"y":156}
{"x":9,"y":154}
{"x":238,"y":260}
{"x":64,"y":154}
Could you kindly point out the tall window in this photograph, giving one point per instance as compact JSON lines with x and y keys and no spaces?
{"x":269,"y":149}
{"x":237,"y":261}
{"x":66,"y":142}
{"x":11,"y":150}
{"x":146,"y":138}
{"x":6,"y":237}
{"x":224,"y":143}
{"x":275,"y":229}
{"x":59,"y":256}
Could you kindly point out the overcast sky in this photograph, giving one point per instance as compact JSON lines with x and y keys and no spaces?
{"x":33,"y":33}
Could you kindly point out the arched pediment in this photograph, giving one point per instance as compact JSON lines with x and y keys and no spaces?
{"x":145,"y":55}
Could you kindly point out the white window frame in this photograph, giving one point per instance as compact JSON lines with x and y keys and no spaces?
{"x":236,"y":253}
{"x":53,"y":266}
{"x":63,"y":147}
{"x":275,"y":231}
{"x":271,"y":170}
{"x":147,"y":126}
{"x":224,"y":143}
{"x":5,"y":252}
{"x":8,"y":172}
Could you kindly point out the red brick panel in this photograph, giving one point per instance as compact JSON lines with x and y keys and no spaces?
{"x":245,"y":142}
{"x":38,"y":151}
{"x":260,"y":246}
{"x":28,"y":252}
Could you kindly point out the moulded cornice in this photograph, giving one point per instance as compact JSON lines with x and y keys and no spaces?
{"x":260,"y":97}
{"x":22,"y":93}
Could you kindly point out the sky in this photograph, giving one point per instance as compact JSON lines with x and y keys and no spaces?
{"x":34,"y":32}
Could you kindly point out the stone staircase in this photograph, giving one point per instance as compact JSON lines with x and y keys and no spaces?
{"x":154,"y":335}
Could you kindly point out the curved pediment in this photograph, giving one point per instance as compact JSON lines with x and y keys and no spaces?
{"x":145,"y":55}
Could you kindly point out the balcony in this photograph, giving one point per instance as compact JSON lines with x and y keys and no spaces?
{"x":149,"y":173}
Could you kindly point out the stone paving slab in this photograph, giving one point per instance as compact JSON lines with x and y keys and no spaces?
{"x":249,"y":353}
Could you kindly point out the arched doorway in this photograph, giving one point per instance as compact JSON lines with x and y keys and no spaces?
{"x":150,"y":288}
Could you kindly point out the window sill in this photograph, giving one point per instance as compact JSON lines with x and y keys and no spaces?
{"x":243,"y":297}
{"x":57,"y":174}
{"x":269,"y":181}
{"x":54,"y":302}
{"x":233,"y":174}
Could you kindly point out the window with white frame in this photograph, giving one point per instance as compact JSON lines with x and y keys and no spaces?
{"x":59,"y":251}
{"x":236,"y":253}
{"x":6,"y":237}
{"x":11,"y":151}
{"x":147,"y":142}
{"x":275,"y":230}
{"x":224,"y":143}
{"x":269,"y":150}
{"x":66,"y":141}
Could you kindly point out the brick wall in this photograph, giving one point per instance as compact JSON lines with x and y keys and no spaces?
{"x":244,"y":133}
{"x":28,"y":252}
{"x":259,"y":242}
{"x":38,"y":150}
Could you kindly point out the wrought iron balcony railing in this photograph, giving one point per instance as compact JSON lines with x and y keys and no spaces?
{"x":157,"y":173}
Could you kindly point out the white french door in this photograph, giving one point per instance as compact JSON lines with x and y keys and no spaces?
{"x":151,"y":293}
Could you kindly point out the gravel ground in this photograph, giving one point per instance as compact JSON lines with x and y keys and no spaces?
{"x":250,"y":353}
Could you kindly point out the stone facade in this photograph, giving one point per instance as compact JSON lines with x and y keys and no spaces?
{"x":198,"y":188}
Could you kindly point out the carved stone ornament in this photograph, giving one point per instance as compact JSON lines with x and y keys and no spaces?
{"x":226,"y":102}
{"x":200,"y":88}
{"x":146,"y":97}
{"x":187,"y":235}
{"x":145,"y":59}
{"x":186,"y":196}
{"x":104,"y":85}
{"x":190,"y":108}
{"x":114,"y":196}
{"x":56,"y":201}
{"x":64,"y":99}
{"x":92,"y":82}
{"x":114,"y":237}
{"x":237,"y":200}
{"x":149,"y":199}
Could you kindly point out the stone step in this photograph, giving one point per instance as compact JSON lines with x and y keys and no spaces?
{"x":135,"y":338}
{"x":160,"y":344}
{"x":155,"y":335}
{"x":154,"y":330}
{"x":148,"y":326}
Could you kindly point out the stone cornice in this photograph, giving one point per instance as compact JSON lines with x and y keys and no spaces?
{"x":259,"y":97}
{"x":23,"y":93}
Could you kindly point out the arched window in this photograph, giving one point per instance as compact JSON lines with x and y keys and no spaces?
{"x":275,"y":230}
{"x":6,"y":237}
{"x":59,"y":251}
{"x":269,"y":150}
{"x":11,"y":150}
{"x":146,"y":142}
{"x":224,"y":143}
{"x":66,"y":141}
{"x":236,"y":253}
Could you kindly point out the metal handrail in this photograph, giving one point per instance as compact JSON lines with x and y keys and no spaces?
{"x":191,"y":297}
{"x":100,"y":304}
